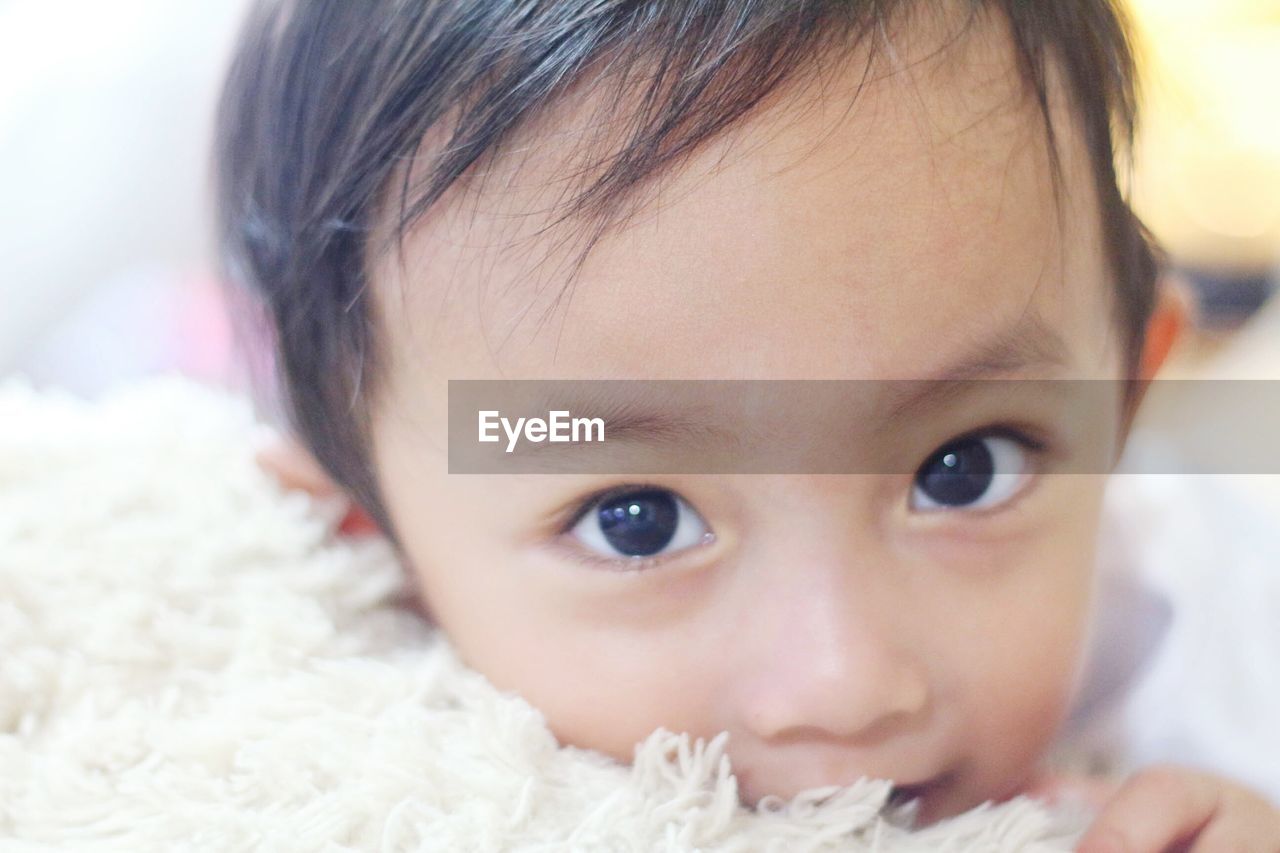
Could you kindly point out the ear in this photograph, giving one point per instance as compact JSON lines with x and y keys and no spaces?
{"x":1165,"y":327}
{"x":1172,"y":316}
{"x":358,"y":523}
{"x":295,"y":468}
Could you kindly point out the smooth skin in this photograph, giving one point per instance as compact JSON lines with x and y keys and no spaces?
{"x":833,"y":625}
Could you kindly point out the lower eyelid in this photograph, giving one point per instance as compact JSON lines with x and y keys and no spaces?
{"x":978,"y":514}
{"x":1037,"y":453}
{"x":565,"y":546}
{"x":568,"y":539}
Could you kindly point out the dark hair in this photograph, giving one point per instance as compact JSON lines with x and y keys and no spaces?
{"x":327,"y":99}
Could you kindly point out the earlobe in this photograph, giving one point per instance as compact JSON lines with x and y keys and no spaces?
{"x":357,"y":522}
{"x":290,"y":463}
{"x":1169,"y":320}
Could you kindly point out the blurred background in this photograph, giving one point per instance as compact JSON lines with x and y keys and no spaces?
{"x":105,"y":118}
{"x":105,"y":245}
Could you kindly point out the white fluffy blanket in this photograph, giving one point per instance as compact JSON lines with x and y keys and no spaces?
{"x":193,"y":659}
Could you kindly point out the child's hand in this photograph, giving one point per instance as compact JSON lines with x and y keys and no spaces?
{"x":1166,"y":808}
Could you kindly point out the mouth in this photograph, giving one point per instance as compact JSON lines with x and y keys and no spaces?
{"x":900,"y":795}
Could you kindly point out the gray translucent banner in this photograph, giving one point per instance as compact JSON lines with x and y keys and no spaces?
{"x":857,"y":426}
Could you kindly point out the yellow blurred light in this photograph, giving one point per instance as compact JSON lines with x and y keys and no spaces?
{"x":1208,"y":157}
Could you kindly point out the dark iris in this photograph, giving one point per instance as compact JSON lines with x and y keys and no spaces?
{"x":958,"y":474}
{"x":639,"y":524}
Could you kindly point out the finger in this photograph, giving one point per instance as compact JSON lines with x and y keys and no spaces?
{"x":1222,"y":835}
{"x":1244,"y":822}
{"x":1153,"y":810}
{"x":1058,"y":788}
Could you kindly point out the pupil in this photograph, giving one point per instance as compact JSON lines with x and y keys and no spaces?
{"x":639,"y":524}
{"x":958,"y":474}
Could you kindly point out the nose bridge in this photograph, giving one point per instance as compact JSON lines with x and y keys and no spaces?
{"x":830,"y":654}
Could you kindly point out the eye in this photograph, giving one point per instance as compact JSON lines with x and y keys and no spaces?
{"x":974,"y":472}
{"x":643,"y":522}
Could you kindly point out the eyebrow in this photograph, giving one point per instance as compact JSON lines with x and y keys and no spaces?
{"x":1027,"y":343}
{"x":629,"y":422}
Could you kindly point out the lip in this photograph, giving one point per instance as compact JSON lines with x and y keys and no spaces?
{"x":902,"y":794}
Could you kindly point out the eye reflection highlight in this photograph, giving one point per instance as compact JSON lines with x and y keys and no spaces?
{"x":637,"y":522}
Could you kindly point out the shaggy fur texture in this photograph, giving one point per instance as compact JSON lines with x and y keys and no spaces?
{"x":193,"y":660}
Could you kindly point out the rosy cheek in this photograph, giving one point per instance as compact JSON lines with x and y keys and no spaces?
{"x":1023,"y":709}
{"x":616,"y":691}
{"x":1019,"y":672}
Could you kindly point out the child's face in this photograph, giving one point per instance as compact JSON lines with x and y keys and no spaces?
{"x":832,"y":626}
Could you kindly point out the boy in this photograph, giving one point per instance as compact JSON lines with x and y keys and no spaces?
{"x":737,"y":190}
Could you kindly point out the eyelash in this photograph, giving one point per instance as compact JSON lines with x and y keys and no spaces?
{"x":1037,"y":441}
{"x":622,"y":565}
{"x":1038,"y":445}
{"x":1034,"y":440}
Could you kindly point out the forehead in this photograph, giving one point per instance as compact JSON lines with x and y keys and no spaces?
{"x":873,"y":222}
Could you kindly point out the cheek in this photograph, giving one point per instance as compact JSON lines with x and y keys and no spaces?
{"x":598,"y":688}
{"x":1005,"y":606}
{"x":600,"y":683}
{"x":611,"y":695}
{"x":1025,"y":686}
{"x":1024,"y":660}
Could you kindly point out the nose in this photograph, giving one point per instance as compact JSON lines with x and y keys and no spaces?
{"x":830,"y":664}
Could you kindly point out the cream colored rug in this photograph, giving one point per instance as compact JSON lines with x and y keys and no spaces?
{"x":191,"y":660}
